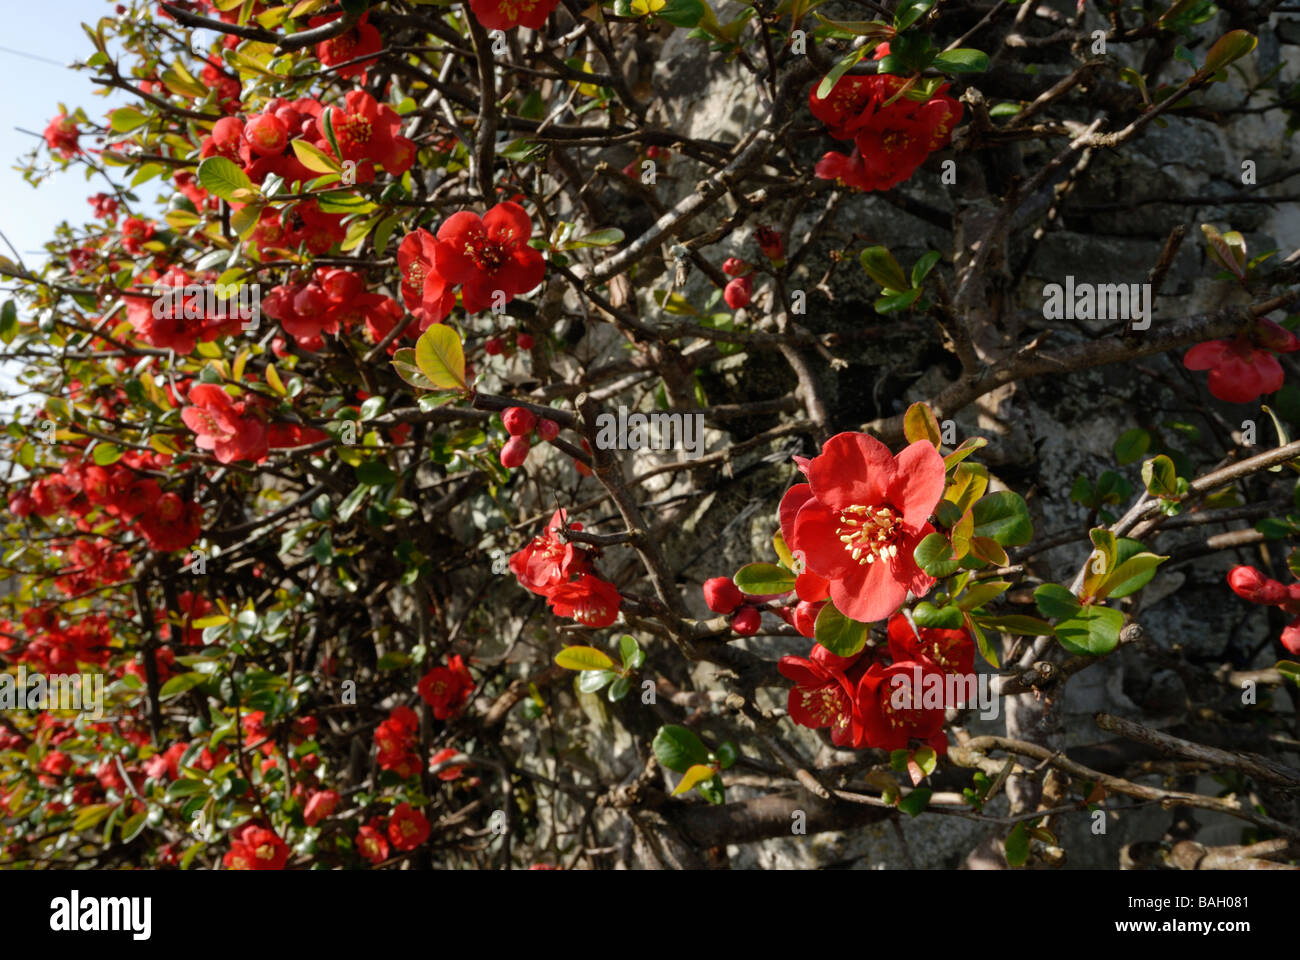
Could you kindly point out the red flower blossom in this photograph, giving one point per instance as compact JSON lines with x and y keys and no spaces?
{"x":1249,"y":584}
{"x":407,"y":827}
{"x":135,"y":234}
{"x":1244,"y":368}
{"x":256,"y":848}
{"x":366,"y":131}
{"x":61,"y":134}
{"x":890,"y":708}
{"x":319,"y":806}
{"x":738,"y":292}
{"x":866,"y":514}
{"x":223,"y":425}
{"x":588,"y":600}
{"x":489,"y":254}
{"x":372,"y":844}
{"x":505,"y":14}
{"x":424,"y":290}
{"x":547,"y":561}
{"x":446,"y":689}
{"x":952,"y":651}
{"x":357,"y":41}
{"x":822,"y":695}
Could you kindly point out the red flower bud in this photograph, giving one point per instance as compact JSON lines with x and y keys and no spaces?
{"x":805,"y":616}
{"x":746,"y":621}
{"x":738,"y":292}
{"x":771,"y":243}
{"x":735,"y":267}
{"x":266,"y":135}
{"x":515,"y":452}
{"x":1291,"y":636}
{"x":494,"y":346}
{"x":1249,"y":584}
{"x":524,"y":341}
{"x":1279,"y":339}
{"x":548,"y":430}
{"x":519,"y":421}
{"x":722,"y":595}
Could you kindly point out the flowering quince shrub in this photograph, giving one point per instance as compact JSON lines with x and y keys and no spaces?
{"x":429,"y":452}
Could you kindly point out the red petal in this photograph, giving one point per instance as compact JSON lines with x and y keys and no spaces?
{"x":853,"y":468}
{"x":918,"y":483}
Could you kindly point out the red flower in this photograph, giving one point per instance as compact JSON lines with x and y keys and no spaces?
{"x":1241,"y":371}
{"x":223,"y":426}
{"x":822,"y":695}
{"x":489,"y":254}
{"x":447,"y":688}
{"x":952,"y":651}
{"x":256,"y":848}
{"x":407,"y":828}
{"x":588,"y":600}
{"x":1249,"y":584}
{"x":771,"y":243}
{"x":319,"y":806}
{"x":424,"y":291}
{"x":136,"y":233}
{"x":61,"y":134}
{"x":366,"y":131}
{"x":866,"y":514}
{"x":890,"y":708}
{"x":721,"y":595}
{"x":447,"y":773}
{"x":504,"y":14}
{"x":547,"y":561}
{"x":357,"y":41}
{"x":372,"y":845}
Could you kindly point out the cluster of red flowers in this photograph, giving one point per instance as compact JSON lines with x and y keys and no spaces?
{"x":237,"y":429}
{"x":1249,"y":584}
{"x":179,"y":322}
{"x":61,"y":134}
{"x":329,"y":301}
{"x":447,"y":688}
{"x":396,"y":738}
{"x":53,"y":647}
{"x":256,"y":848}
{"x":488,"y":257}
{"x":740,"y":290}
{"x":561,"y":572}
{"x":1244,"y":368}
{"x":868,"y":702}
{"x":405,"y":829}
{"x":165,"y":520}
{"x":506,"y":14}
{"x":891,"y":137}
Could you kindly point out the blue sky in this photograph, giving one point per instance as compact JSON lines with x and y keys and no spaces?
{"x":40,"y":40}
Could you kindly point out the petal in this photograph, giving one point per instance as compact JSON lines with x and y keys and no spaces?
{"x":527,"y":270}
{"x":853,"y":468}
{"x":1203,"y":356}
{"x":815,"y":537}
{"x":456,"y":232}
{"x":508,"y":223}
{"x":873,"y":595}
{"x":918,"y":482}
{"x":794,"y":498}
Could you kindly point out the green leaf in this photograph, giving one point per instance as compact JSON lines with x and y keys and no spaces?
{"x":881,"y":267}
{"x":727,"y":754}
{"x":909,"y":11}
{"x":1056,"y":602}
{"x":223,"y":177}
{"x":921,"y":269}
{"x":185,"y":788}
{"x":1018,"y":624}
{"x":1160,"y":477}
{"x":1132,"y":574}
{"x":179,"y":684}
{"x":583,"y":658}
{"x":106,"y":454}
{"x":947,"y":617}
{"x":1091,"y":631}
{"x":1003,"y":517}
{"x":982,"y":592}
{"x":631,"y":652}
{"x":8,"y":322}
{"x":837,"y":633}
{"x":1016,"y":846}
{"x":314,"y":158}
{"x":618,"y":689}
{"x":124,"y":119}
{"x":757,"y":579}
{"x":982,"y":641}
{"x":962,"y":60}
{"x":919,"y":423}
{"x":441,"y":357}
{"x":1231,"y":46}
{"x":916,"y":801}
{"x":1131,"y":444}
{"x":893,"y":302}
{"x":842,"y":67}
{"x":593,"y":680}
{"x":677,"y":748}
{"x":934,"y":556}
{"x":597,"y":238}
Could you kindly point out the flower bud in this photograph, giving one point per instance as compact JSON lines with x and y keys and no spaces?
{"x":771,"y":243}
{"x":515,"y":452}
{"x":746,"y":621}
{"x":548,"y":430}
{"x":524,"y":341}
{"x":519,"y":421}
{"x":494,"y":346}
{"x":735,"y":267}
{"x":738,"y":292}
{"x":1249,"y":584}
{"x":722,"y":595}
